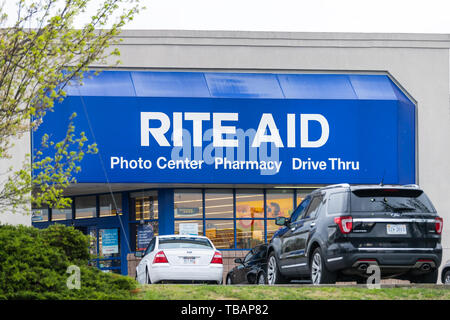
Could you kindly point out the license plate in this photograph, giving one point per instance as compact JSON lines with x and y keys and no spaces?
{"x":189,"y":260}
{"x":396,"y":229}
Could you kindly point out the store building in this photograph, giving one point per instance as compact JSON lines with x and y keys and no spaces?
{"x":217,"y":133}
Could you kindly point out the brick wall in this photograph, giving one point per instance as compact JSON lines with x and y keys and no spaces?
{"x":132,"y":264}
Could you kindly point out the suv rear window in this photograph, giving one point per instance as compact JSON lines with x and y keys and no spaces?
{"x":338,"y":203}
{"x":390,"y":200}
{"x":184,"y":243}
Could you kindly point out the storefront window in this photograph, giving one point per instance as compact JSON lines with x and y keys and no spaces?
{"x":302,"y":193}
{"x":249,"y":204}
{"x":109,"y":264}
{"x":110,"y":206}
{"x":144,"y":205}
{"x":61,"y":214}
{"x":249,"y":233}
{"x":108,"y":242}
{"x":279,"y":203}
{"x":188,"y":204}
{"x":219,"y":204}
{"x":193,"y":227}
{"x":271,"y":229}
{"x":93,"y":242}
{"x":85,"y":207}
{"x":231,"y":218}
{"x":39,"y":214}
{"x":117,"y":270}
{"x":144,"y":233}
{"x":221,"y":233}
{"x":144,"y":208}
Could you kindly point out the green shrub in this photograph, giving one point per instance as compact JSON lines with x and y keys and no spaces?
{"x":33,"y":265}
{"x":73,"y":242}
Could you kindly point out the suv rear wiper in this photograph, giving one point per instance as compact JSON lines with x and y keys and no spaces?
{"x":394,"y":209}
{"x":405,"y":208}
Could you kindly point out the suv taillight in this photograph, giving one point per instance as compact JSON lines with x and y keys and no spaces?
{"x":345,"y":223}
{"x":217,"y":258}
{"x":439,"y":225}
{"x":160,"y":257}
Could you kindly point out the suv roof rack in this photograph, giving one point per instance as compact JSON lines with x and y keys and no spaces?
{"x":347,"y":185}
{"x":411,"y":186}
{"x":340,"y":185}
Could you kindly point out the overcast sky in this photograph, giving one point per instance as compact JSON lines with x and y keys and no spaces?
{"x":415,"y":16}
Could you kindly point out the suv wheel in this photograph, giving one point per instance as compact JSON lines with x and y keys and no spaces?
{"x":319,"y":272}
{"x":273,"y":274}
{"x":261,"y":279}
{"x":430,"y":277}
{"x":446,"y":277}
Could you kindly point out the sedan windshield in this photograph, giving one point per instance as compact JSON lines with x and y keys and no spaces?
{"x":391,"y":200}
{"x":184,"y":243}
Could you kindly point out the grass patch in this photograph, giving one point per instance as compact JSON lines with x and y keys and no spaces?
{"x":215,"y":292}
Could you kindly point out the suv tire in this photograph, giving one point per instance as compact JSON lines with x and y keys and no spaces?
{"x":273,"y":273}
{"x":446,"y":277}
{"x":319,"y":272}
{"x":261,"y":279}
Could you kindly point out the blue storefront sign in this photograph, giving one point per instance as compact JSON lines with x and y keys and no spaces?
{"x":169,"y":127}
{"x":144,"y":235}
{"x":110,"y":241}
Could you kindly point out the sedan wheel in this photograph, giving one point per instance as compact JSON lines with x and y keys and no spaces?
{"x":147,"y":277}
{"x":316,"y":268}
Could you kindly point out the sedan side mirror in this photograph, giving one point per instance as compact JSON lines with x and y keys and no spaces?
{"x":238,"y":260}
{"x":282,"y":221}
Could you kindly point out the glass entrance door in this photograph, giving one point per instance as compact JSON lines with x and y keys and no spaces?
{"x":104,"y":247}
{"x":109,"y":249}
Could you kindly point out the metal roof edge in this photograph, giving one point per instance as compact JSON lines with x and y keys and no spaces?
{"x":239,"y":85}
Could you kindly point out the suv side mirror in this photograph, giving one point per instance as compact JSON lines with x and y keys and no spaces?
{"x":238,"y":260}
{"x":281,"y":221}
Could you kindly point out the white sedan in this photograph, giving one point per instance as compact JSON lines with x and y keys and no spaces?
{"x":180,"y":258}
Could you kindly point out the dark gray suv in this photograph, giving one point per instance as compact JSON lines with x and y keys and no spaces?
{"x":338,"y":231}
